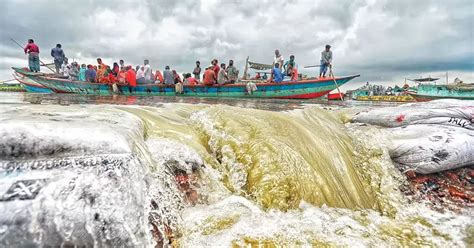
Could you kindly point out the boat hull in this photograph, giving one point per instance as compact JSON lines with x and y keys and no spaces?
{"x":304,"y":89}
{"x":406,"y":98}
{"x":426,"y":98}
{"x":335,"y":96}
{"x":428,"y":92}
{"x":30,"y":85}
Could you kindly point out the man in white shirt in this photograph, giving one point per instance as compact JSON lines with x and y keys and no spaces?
{"x":278,"y":59}
{"x":147,"y":71}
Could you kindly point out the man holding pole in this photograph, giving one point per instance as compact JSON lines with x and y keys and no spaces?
{"x":326,"y":59}
{"x":33,"y":56}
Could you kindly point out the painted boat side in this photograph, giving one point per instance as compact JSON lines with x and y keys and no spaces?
{"x":302,"y":90}
{"x":31,"y":86}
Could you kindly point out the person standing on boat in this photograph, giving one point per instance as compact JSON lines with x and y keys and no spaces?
{"x":168,"y":76}
{"x":278,"y":59}
{"x":197,"y":71}
{"x":326,"y":60}
{"x":33,"y":56}
{"x":58,"y":54}
{"x":215,"y":66}
{"x":289,"y":65}
{"x":232,"y":72}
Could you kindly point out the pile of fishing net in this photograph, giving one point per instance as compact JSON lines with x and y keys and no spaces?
{"x":427,"y":137}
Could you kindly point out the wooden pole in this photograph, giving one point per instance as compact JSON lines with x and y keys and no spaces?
{"x":334,"y":79}
{"x":43,"y":64}
{"x":13,"y":79}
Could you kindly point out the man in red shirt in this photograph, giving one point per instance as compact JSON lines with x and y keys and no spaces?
{"x":33,"y":56}
{"x":209,"y":76}
{"x":131,"y":77}
{"x":216,"y":67}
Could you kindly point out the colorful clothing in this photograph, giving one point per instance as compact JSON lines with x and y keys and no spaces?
{"x":216,"y":69}
{"x":102,"y":74}
{"x":31,"y":48}
{"x":277,"y":75}
{"x":191,"y":81}
{"x":294,"y":75}
{"x":209,"y":77}
{"x":131,"y":78}
{"x":82,"y":74}
{"x":159,"y":76}
{"x":33,"y":62}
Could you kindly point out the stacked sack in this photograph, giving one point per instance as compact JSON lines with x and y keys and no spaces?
{"x":427,"y":137}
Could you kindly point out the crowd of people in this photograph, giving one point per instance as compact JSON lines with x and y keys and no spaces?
{"x":122,"y":74}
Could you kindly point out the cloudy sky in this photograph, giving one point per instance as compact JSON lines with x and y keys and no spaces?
{"x":383,"y":40}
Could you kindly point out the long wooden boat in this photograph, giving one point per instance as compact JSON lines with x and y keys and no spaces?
{"x":304,"y":89}
{"x":428,"y":92}
{"x":30,"y":85}
{"x":400,"y":98}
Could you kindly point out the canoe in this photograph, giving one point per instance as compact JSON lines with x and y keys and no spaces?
{"x":11,"y":88}
{"x":403,"y":98}
{"x":30,"y":85}
{"x":304,"y":89}
{"x":428,"y":92}
{"x":335,"y":96}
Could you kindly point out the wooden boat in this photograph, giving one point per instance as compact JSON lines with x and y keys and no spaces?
{"x":428,"y":92}
{"x":335,"y":96}
{"x":303,"y":89}
{"x":11,"y":88}
{"x":401,"y":98}
{"x":30,"y":85}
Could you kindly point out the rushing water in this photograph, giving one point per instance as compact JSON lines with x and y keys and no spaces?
{"x":105,"y":171}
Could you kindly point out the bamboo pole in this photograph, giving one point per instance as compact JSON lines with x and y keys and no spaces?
{"x":334,"y":79}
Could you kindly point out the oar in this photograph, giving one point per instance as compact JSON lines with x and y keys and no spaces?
{"x":43,"y":64}
{"x":334,"y":79}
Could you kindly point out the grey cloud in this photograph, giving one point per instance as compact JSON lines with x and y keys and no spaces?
{"x":379,"y":39}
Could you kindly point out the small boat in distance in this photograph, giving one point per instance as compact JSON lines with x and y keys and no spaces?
{"x":431,"y":91}
{"x":302,"y":89}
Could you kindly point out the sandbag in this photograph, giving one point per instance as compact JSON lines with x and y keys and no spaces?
{"x":431,"y":148}
{"x":450,"y":113}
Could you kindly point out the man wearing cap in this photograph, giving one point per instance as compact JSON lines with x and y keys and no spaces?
{"x":326,"y":59}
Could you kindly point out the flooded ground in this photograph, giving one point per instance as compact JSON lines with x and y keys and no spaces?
{"x":189,"y":172}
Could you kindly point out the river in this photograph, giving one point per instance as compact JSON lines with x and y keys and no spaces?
{"x":190,"y":172}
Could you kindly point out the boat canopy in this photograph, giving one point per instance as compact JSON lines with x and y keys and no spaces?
{"x":259,"y":66}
